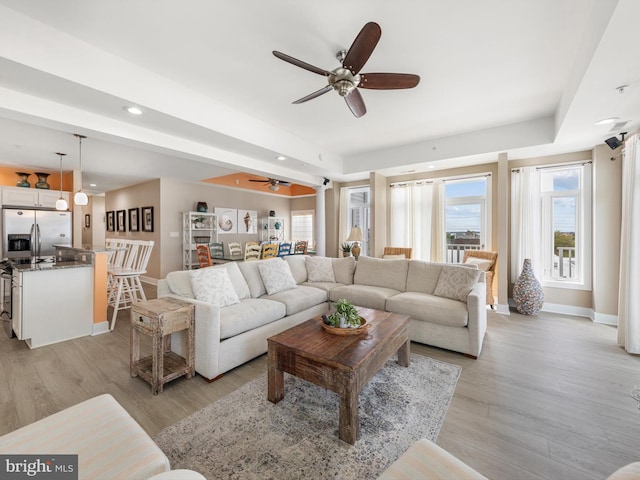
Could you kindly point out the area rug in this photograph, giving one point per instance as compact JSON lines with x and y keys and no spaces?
{"x":244,"y":436}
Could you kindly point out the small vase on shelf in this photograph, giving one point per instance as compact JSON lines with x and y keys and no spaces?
{"x":23,"y":182}
{"x":42,"y":180}
{"x":527,"y":291}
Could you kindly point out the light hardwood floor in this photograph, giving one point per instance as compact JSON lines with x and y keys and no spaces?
{"x":547,"y":399}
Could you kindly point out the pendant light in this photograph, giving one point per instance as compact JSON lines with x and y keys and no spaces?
{"x":61,"y":203}
{"x":80,"y":198}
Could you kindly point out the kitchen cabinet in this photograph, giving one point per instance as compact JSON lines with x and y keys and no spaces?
{"x":272,"y":229}
{"x":32,"y":197}
{"x":197,"y":227}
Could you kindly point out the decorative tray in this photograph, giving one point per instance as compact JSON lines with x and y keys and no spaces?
{"x":346,"y":331}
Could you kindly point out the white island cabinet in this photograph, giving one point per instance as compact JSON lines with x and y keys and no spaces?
{"x":52,"y":303}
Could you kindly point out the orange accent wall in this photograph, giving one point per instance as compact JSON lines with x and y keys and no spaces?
{"x":100,"y":287}
{"x":241,"y":180}
{"x":8,"y":178}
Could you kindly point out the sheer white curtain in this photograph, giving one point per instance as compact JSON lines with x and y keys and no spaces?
{"x":629,"y":285}
{"x":438,"y":232}
{"x":525,"y":220}
{"x":343,"y":218}
{"x":411,"y":217}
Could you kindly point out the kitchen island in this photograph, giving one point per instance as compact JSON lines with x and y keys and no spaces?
{"x":52,"y":302}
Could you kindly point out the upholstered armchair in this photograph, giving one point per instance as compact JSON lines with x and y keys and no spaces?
{"x":486,"y":261}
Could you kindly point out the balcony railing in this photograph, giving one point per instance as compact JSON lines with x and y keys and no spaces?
{"x":565,"y":265}
{"x":455,"y":251}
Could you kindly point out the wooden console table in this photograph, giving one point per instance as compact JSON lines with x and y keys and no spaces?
{"x":159,"y":318}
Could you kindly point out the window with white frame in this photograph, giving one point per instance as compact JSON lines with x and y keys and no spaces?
{"x":466,"y":216}
{"x":359,"y":214}
{"x":302,"y":225}
{"x":565,"y":194}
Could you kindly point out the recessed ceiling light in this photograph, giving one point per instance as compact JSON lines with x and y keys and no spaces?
{"x":431,"y":166}
{"x":607,"y":121}
{"x":282,"y":158}
{"x":133,"y":110}
{"x":92,"y":185}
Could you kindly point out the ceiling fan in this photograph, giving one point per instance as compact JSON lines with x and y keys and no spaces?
{"x":274,"y":184}
{"x":346,"y":79}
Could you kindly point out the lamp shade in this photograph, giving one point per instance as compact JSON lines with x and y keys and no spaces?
{"x":61,"y":204}
{"x":80,"y":198}
{"x":355,"y":235}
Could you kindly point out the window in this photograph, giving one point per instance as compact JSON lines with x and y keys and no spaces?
{"x":466,"y":222}
{"x":565,"y":193}
{"x":302,"y":225}
{"x":358,"y":214}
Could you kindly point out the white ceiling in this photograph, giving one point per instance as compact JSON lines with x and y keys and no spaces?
{"x":526,"y":77}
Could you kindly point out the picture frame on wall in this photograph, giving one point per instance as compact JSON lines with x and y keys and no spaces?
{"x":87,"y":220}
{"x":121,"y":220}
{"x":111,"y":221}
{"x":134,"y":224}
{"x":147,"y":219}
{"x":227,"y":220}
{"x":247,"y":221}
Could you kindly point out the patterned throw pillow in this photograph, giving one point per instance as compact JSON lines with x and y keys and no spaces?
{"x":456,"y":282}
{"x":481,"y":263}
{"x":213,"y":285}
{"x":276,"y":275}
{"x":320,"y":269}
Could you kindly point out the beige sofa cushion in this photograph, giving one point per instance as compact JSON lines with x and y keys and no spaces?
{"x":363,"y":295}
{"x":252,"y":276}
{"x":429,"y":308}
{"x":250,"y":313}
{"x":381,"y":273}
{"x":423,"y":276}
{"x":276,"y":275}
{"x":343,"y":269}
{"x":326,"y":286}
{"x":629,"y":472}
{"x":298,"y":266}
{"x":320,"y":269}
{"x":179,"y":282}
{"x":300,"y":298}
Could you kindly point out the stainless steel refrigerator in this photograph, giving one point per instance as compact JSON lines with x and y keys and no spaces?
{"x":32,"y":233}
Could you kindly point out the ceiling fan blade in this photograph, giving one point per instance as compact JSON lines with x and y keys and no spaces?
{"x":259,"y":181}
{"x":300,"y":63}
{"x":356,"y":103}
{"x":284,"y":184}
{"x":388,"y":81}
{"x":362,"y":47}
{"x":313,"y":95}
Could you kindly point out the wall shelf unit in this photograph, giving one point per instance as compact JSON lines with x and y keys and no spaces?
{"x":197,"y":227}
{"x":272,"y":229}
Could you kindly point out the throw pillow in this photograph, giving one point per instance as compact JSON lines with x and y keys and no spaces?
{"x":320,"y":269}
{"x":179,"y":282}
{"x":213,"y":285}
{"x":240,"y":285}
{"x":483,"y":264}
{"x":401,"y":255}
{"x":276,"y":275}
{"x":456,"y":282}
{"x":343,"y":269}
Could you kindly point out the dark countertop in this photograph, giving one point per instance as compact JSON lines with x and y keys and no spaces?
{"x":41,"y":266}
{"x":85,"y":248}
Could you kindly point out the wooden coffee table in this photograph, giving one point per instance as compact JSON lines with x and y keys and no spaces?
{"x":340,"y":363}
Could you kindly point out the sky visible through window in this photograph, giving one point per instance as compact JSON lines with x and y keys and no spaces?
{"x":461,"y":218}
{"x":564,"y":208}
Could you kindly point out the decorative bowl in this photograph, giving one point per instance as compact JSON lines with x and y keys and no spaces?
{"x":346,"y":331}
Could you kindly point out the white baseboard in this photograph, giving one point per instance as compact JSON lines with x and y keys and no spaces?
{"x":100,"y":328}
{"x":605,"y":318}
{"x":503,"y":309}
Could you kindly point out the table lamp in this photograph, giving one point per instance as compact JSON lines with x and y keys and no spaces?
{"x":355,"y":236}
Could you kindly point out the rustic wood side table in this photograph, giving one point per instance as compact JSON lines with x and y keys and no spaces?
{"x":159,"y":318}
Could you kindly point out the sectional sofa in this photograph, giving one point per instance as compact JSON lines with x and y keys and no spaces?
{"x":240,"y":304}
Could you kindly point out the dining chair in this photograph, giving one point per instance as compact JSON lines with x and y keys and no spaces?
{"x":269,"y":250}
{"x":300,"y":247}
{"x":216,"y":250}
{"x":204,"y":255}
{"x":252,"y":251}
{"x":235,"y":249}
{"x":284,"y":248}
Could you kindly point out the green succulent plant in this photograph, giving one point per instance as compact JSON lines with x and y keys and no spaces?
{"x":344,"y":308}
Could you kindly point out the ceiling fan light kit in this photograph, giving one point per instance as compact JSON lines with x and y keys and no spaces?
{"x":273,"y":183}
{"x":347,"y":79}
